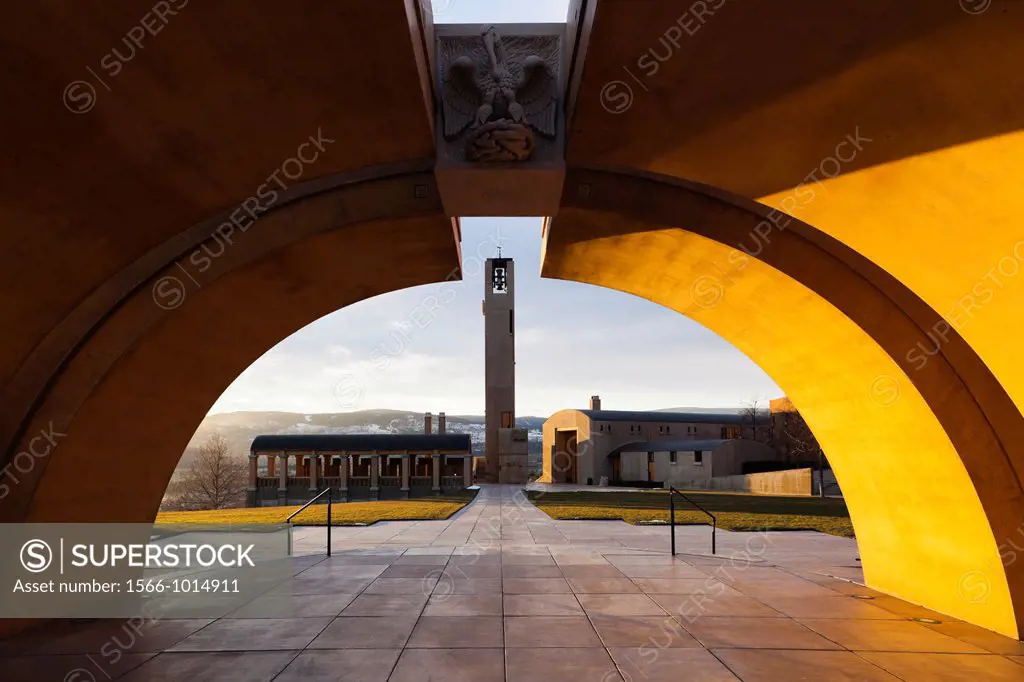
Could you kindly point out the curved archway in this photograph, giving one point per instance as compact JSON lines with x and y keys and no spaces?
{"x":132,"y":389}
{"x":925,"y":454}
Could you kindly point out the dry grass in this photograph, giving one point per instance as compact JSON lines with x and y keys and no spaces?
{"x":344,"y":514}
{"x":734,"y":511}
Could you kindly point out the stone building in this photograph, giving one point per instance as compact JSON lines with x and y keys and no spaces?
{"x":676,"y":462}
{"x":359,"y":466}
{"x":579,"y":444}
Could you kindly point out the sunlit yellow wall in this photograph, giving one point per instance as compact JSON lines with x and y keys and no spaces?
{"x":950,"y":225}
{"x":920,"y":525}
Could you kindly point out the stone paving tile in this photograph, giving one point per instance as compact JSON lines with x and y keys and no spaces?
{"x":756,"y":633}
{"x":69,"y":667}
{"x":473,"y":570}
{"x":590,"y":571}
{"x":706,"y":585}
{"x":136,"y":637}
{"x":619,"y":605}
{"x":828,"y":607}
{"x":657,"y":632}
{"x":559,"y":665}
{"x":403,"y":585}
{"x":550,"y":631}
{"x":457,"y":632}
{"x":330,"y":585}
{"x":550,"y":605}
{"x":516,"y":571}
{"x":237,"y":666}
{"x":411,"y":571}
{"x":657,"y":571}
{"x":464,"y":605}
{"x":344,"y":572}
{"x":752,"y":665}
{"x":450,"y":665}
{"x":888,"y":635}
{"x":535,"y":586}
{"x":347,"y":665}
{"x":421,"y":560}
{"x":294,"y":606}
{"x":527,"y":560}
{"x":385,"y":605}
{"x":804,"y":589}
{"x":931,"y":667}
{"x":453,"y":585}
{"x":906,"y":609}
{"x":432,"y":549}
{"x":603,"y":586}
{"x":669,"y":665}
{"x":688,"y":607}
{"x":259,"y":634}
{"x":986,"y":639}
{"x":366,"y":633}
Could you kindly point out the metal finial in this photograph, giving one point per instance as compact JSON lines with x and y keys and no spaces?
{"x":499,"y":252}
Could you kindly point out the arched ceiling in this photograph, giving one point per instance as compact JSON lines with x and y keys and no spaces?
{"x":760,"y":97}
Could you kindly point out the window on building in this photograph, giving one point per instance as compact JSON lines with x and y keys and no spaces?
{"x":672,"y":457}
{"x":668,"y":429}
{"x":600,"y":427}
{"x":661,"y":429}
{"x":506,"y":420}
{"x":499,"y":282}
{"x":698,"y":457}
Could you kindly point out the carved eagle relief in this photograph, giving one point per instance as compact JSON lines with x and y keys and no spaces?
{"x":501,"y":93}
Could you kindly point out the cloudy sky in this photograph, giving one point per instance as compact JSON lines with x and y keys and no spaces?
{"x":572,"y":340}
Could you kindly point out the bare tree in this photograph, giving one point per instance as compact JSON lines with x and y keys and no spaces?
{"x":752,"y":413}
{"x":214,"y":479}
{"x":794,"y":439}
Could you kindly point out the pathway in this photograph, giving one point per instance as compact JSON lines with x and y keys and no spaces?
{"x":502,"y":592}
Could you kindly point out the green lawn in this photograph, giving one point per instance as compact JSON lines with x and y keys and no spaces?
{"x":342,"y":514}
{"x":734,"y":511}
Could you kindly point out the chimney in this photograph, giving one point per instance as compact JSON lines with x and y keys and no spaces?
{"x":595,"y":402}
{"x":440,"y":422}
{"x":427,"y":426}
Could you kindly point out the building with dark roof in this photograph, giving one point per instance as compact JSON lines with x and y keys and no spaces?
{"x":584,"y":446}
{"x":291,"y":468}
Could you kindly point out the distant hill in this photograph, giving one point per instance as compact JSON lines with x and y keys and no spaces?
{"x":240,"y":428}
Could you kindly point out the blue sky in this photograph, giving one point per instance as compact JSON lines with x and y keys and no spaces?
{"x":572,"y":340}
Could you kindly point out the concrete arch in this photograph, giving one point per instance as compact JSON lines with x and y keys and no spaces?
{"x":925,"y":454}
{"x":144,"y":367}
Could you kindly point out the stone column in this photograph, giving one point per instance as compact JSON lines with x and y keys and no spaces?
{"x":405,"y":474}
{"x":282,"y":478}
{"x":343,"y":480}
{"x":314,"y":464}
{"x":467,"y":471}
{"x":435,"y":472}
{"x":374,"y":476}
{"x":251,"y":499}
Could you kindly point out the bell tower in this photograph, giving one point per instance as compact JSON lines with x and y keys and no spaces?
{"x":499,"y":356}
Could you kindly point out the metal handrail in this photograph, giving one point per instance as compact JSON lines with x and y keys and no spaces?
{"x":301,"y":509}
{"x":672,"y":517}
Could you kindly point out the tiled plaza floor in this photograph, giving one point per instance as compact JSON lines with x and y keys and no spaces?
{"x":502,"y":592}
